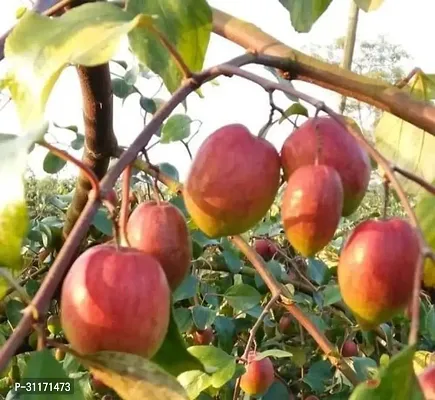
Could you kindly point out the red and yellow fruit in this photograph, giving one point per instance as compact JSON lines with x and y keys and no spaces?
{"x":115,"y":300}
{"x":265,"y":248}
{"x":338,"y":150}
{"x":426,"y":379}
{"x":311,"y":207}
{"x":160,"y":230}
{"x":232,"y":182}
{"x":259,"y":376}
{"x":376,"y":270}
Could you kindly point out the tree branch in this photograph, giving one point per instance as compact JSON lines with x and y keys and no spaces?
{"x":100,"y":140}
{"x":297,"y":65}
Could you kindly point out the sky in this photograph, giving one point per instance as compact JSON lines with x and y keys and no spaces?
{"x":404,"y":22}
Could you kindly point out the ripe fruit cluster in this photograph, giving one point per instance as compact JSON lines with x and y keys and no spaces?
{"x":234,"y":179}
{"x":119,"y":298}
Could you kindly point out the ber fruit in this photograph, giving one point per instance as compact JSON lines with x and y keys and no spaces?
{"x":426,"y":379}
{"x":339,"y":150}
{"x":160,"y":230}
{"x":349,"y":349}
{"x":232,"y":182}
{"x":265,"y":248}
{"x":259,"y":376}
{"x":203,"y":337}
{"x":285,"y":324}
{"x":311,"y":207}
{"x":115,"y":300}
{"x":376,"y":270}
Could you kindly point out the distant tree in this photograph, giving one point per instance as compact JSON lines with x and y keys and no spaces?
{"x":379,"y":59}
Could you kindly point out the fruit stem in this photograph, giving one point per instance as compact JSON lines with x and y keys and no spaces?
{"x":125,"y":207}
{"x":252,"y":334}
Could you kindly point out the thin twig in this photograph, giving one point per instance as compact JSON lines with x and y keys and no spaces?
{"x":252,"y":334}
{"x":68,"y":157}
{"x":415,"y":178}
{"x":125,"y":206}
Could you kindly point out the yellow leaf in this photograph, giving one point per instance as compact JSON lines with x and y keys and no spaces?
{"x":132,"y":377}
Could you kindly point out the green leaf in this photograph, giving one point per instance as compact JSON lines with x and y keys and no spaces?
{"x":177,"y":127}
{"x":173,"y":355}
{"x":53,"y":164}
{"x":13,"y":311}
{"x":274,"y":267}
{"x":277,"y":391}
{"x":226,"y":331}
{"x":203,"y":317}
{"x":318,"y":375}
{"x":304,"y":14}
{"x":170,"y":170}
{"x":273,"y":353}
{"x":103,"y":222}
{"x":183,"y":318}
{"x":242,"y":297}
{"x":294,"y":109}
{"x":194,"y":382}
{"x":318,"y":271}
{"x":149,"y":105}
{"x":231,"y":256}
{"x":14,"y":220}
{"x":42,"y":365}
{"x":187,"y":289}
{"x":404,"y":144}
{"x":397,"y":380}
{"x":186,"y":25}
{"x":364,"y":367}
{"x":369,"y":5}
{"x":221,"y":365}
{"x":131,"y":75}
{"x":78,"y":142}
{"x":39,"y":48}
{"x":331,"y":295}
{"x":120,"y":88}
{"x":133,"y":377}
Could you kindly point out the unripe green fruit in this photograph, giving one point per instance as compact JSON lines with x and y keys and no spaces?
{"x":376,"y":270}
{"x":311,"y":207}
{"x":269,"y":331}
{"x":33,"y":340}
{"x":259,"y":376}
{"x":53,"y":325}
{"x":232,"y":182}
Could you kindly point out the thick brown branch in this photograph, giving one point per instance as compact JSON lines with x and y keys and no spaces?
{"x":300,"y":66}
{"x":100,"y":140}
